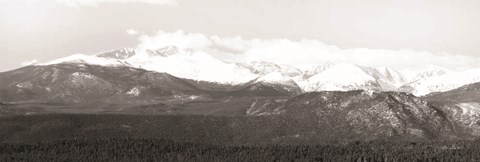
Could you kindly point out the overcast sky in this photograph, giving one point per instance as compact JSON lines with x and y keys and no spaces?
{"x":47,"y":29}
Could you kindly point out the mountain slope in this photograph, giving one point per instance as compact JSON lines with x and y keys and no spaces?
{"x":80,"y":83}
{"x":264,"y":68}
{"x":388,"y":79}
{"x":441,"y":81}
{"x":366,"y":114}
{"x":462,"y":105}
{"x":280,"y":83}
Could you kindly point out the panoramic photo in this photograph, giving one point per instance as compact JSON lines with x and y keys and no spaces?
{"x":240,"y":80}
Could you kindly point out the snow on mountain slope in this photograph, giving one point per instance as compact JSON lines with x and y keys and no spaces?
{"x":359,"y":77}
{"x":119,"y":54}
{"x":337,"y":76}
{"x":276,"y":78}
{"x":342,"y":77}
{"x":268,"y":67}
{"x":87,"y":59}
{"x":388,"y":79}
{"x":197,"y":65}
{"x":311,"y":70}
{"x":168,"y":51}
{"x":443,"y":81}
{"x":430,"y":71}
{"x":273,"y":77}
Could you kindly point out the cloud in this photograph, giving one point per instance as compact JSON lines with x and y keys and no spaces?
{"x":31,"y":62}
{"x":179,"y":39}
{"x":77,"y":3}
{"x":132,"y":32}
{"x":301,"y":52}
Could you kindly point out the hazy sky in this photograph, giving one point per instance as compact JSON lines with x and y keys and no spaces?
{"x":49,"y":29}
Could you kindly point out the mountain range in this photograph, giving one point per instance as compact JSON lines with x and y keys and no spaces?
{"x":334,"y":99}
{"x":200,"y":66}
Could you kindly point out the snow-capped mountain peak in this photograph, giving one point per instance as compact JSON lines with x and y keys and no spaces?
{"x":119,"y":54}
{"x":201,"y":66}
{"x":342,"y":77}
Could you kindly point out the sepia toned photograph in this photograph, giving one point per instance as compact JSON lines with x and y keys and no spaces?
{"x":240,"y":80}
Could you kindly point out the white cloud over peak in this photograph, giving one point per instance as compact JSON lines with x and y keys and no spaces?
{"x":77,"y":3}
{"x":179,"y":39}
{"x":132,"y":32}
{"x":307,"y":51}
{"x":28,"y":63}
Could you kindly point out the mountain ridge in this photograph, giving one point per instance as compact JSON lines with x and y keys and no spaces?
{"x":200,"y":66}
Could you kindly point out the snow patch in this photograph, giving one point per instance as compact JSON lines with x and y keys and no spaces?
{"x":25,"y":85}
{"x":80,"y":75}
{"x":134,"y":91}
{"x":193,"y":97}
{"x":186,"y":97}
{"x":471,"y":108}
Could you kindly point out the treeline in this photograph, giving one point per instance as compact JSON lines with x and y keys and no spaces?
{"x":129,"y":149}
